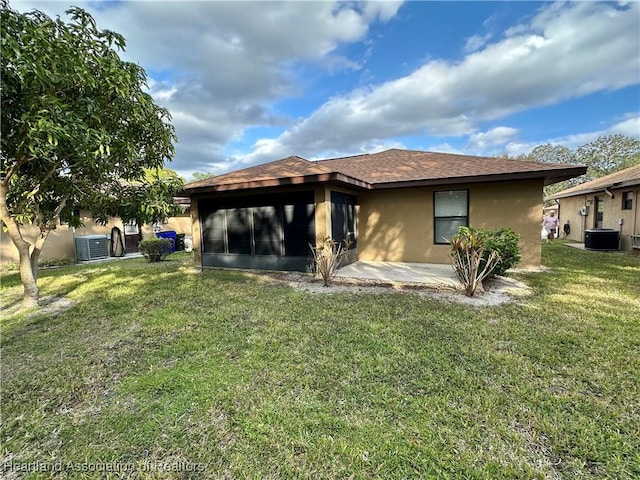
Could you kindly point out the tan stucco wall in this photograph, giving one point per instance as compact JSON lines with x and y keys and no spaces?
{"x":323,"y":212}
{"x":397,"y":225}
{"x":180,"y":224}
{"x":60,"y":245}
{"x":196,"y":232}
{"x":613,"y":213}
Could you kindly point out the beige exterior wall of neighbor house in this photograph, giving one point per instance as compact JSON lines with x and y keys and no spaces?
{"x":612,"y":214}
{"x":397,"y":224}
{"x":179,"y":224}
{"x":60,"y":243}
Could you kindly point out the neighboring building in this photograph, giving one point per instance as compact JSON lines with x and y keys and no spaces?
{"x":60,"y":242}
{"x":606,"y":202}
{"x":397,"y":205}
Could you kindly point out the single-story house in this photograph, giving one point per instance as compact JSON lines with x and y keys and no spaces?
{"x":396,"y":205}
{"x":606,"y":202}
{"x":60,"y":244}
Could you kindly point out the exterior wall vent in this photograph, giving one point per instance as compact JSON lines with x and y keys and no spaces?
{"x":91,"y":247}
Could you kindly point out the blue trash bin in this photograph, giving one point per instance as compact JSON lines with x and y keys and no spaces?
{"x":171,"y":236}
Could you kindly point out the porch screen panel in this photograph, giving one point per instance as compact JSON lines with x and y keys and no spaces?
{"x":343,"y":218}
{"x":299,"y":225}
{"x":214,"y":232}
{"x":451,"y":211}
{"x":239,"y":230}
{"x":267,"y":229}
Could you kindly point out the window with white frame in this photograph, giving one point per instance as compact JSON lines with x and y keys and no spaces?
{"x":131,"y":228}
{"x":450,"y":211}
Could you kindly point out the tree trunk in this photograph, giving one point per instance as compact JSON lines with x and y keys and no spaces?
{"x":31,"y":295}
{"x":37,"y":248}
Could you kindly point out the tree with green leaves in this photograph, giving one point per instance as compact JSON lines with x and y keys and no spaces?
{"x":549,"y":153}
{"x":146,"y":200}
{"x":201,"y":176}
{"x":609,"y":154}
{"x":602,"y":156}
{"x":78,"y":130}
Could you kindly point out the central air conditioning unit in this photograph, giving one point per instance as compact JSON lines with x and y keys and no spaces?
{"x":92,"y":247}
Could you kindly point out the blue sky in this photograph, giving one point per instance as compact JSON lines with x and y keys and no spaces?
{"x":248,"y":83}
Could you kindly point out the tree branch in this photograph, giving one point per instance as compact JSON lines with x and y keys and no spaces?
{"x":46,"y":177}
{"x":19,"y":162}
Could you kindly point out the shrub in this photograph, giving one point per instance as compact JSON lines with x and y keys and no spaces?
{"x":155,"y":249}
{"x":328,"y":257}
{"x":504,"y":241}
{"x":469,"y":261}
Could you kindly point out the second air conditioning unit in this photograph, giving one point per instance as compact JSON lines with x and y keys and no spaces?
{"x":91,"y":247}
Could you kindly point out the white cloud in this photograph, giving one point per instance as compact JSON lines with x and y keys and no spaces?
{"x":445,"y":148}
{"x":498,"y":136}
{"x":220,"y":66}
{"x":476,"y":42}
{"x":629,"y":127}
{"x":566,"y":51}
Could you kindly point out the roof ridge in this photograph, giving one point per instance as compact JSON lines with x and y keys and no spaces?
{"x":342,"y":158}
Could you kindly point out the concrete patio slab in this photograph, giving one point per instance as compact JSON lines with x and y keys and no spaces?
{"x":428,"y":274}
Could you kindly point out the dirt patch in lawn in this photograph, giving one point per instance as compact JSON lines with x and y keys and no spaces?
{"x":50,"y":306}
{"x":498,"y":291}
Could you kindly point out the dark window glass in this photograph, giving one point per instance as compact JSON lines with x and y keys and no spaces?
{"x":343,"y":218}
{"x":213,"y":232}
{"x":451,"y":211}
{"x":299,"y":229}
{"x":267,"y":230}
{"x":239,"y":230}
{"x":627,"y":200}
{"x":445,"y":228}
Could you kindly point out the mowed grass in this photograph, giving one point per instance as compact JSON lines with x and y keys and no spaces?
{"x":161,"y":371}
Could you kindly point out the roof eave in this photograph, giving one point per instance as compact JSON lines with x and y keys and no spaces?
{"x":600,"y":188}
{"x":549,"y":177}
{"x":333,"y":177}
{"x":560,"y":175}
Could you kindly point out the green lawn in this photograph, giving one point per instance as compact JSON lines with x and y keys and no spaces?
{"x":159,"y":368}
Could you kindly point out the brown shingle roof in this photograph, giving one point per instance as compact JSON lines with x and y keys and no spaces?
{"x":396,"y":165}
{"x":285,"y":168}
{"x":388,"y":169}
{"x":622,"y":178}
